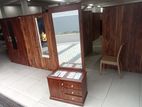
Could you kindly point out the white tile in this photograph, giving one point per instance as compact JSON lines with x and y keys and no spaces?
{"x":17,"y":96}
{"x":38,"y":90}
{"x":99,"y":87}
{"x":124,"y":92}
{"x":40,"y":105}
{"x":141,"y":91}
{"x":28,"y":86}
{"x":92,"y":101}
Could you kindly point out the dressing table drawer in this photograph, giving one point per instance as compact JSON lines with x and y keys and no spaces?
{"x":71,"y":85}
{"x":73,"y":98}
{"x":68,"y":90}
{"x":72,"y":92}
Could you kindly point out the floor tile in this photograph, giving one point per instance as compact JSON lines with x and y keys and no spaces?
{"x":124,"y":92}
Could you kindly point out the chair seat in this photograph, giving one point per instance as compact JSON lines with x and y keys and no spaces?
{"x":109,"y":60}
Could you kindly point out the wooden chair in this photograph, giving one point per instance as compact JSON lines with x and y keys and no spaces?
{"x":110,"y":60}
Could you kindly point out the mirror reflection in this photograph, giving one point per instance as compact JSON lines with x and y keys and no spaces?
{"x":42,"y":36}
{"x":67,"y":33}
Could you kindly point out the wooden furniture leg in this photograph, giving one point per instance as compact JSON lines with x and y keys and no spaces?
{"x":119,"y":71}
{"x":101,"y":66}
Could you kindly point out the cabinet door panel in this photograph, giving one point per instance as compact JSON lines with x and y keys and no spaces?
{"x":55,"y":88}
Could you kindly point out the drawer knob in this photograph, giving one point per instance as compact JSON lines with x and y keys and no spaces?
{"x":71,"y":86}
{"x":72,"y":98}
{"x":72,"y":92}
{"x":62,"y":84}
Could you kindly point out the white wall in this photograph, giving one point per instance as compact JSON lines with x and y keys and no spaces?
{"x":12,"y":11}
{"x":97,"y":10}
{"x":35,"y":9}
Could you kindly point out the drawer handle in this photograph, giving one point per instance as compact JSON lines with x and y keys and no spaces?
{"x":71,"y":86}
{"x":72,"y":98}
{"x":72,"y":92}
{"x":62,"y":84}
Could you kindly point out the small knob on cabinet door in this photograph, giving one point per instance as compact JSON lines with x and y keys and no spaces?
{"x":62,"y":84}
{"x":71,"y":86}
{"x":72,"y":92}
{"x":72,"y":98}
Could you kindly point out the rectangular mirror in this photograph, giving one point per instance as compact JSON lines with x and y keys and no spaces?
{"x":42,"y":37}
{"x":67,"y":34}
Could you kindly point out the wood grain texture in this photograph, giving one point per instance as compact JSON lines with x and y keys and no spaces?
{"x":18,"y":55}
{"x":87,"y":32}
{"x":122,"y":24}
{"x":68,"y":90}
{"x":96,"y":25}
{"x":32,"y":43}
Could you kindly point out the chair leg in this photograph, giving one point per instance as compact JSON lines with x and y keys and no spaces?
{"x":119,"y":71}
{"x":101,"y":67}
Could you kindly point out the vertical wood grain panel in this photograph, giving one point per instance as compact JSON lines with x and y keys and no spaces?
{"x":32,"y":43}
{"x":122,"y":24}
{"x":96,"y":25}
{"x":87,"y":32}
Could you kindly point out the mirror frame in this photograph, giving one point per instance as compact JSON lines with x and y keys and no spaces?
{"x":63,"y":8}
{"x":39,"y":15}
{"x":38,"y":34}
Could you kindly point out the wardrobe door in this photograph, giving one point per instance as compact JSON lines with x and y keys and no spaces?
{"x":12,"y":42}
{"x":39,"y":41}
{"x":21,"y":49}
{"x":6,"y":37}
{"x":45,"y":41}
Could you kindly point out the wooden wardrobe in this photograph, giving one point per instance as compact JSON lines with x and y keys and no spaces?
{"x":22,"y":42}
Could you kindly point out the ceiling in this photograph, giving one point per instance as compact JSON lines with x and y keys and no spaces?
{"x":106,"y":3}
{"x":102,"y":3}
{"x":38,"y":2}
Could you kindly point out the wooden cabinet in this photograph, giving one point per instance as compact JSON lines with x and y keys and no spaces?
{"x":14,"y":40}
{"x":22,"y":40}
{"x":68,"y":90}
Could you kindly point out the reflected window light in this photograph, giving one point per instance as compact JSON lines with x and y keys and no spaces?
{"x":98,"y":6}
{"x":101,"y":10}
{"x":91,"y":4}
{"x":89,"y":7}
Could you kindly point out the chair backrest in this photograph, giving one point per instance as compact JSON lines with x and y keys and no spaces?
{"x":119,"y":52}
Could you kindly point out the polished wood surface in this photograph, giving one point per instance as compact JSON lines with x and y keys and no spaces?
{"x":32,"y":43}
{"x":18,"y":55}
{"x":87,"y":32}
{"x":28,"y":48}
{"x":122,"y":24}
{"x":64,"y":89}
{"x":96,"y":25}
{"x":68,"y":90}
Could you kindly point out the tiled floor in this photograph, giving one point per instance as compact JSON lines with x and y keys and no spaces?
{"x":28,"y":86}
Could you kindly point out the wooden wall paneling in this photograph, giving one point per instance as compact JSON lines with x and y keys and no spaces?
{"x":124,"y":27}
{"x":87,"y":32}
{"x":5,"y":33}
{"x":96,"y":25}
{"x":12,"y":53}
{"x":51,"y":41}
{"x":32,"y":43}
{"x":29,"y":33}
{"x":16,"y":55}
{"x":21,"y":49}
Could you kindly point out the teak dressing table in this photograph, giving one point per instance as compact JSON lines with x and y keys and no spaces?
{"x":68,"y":83}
